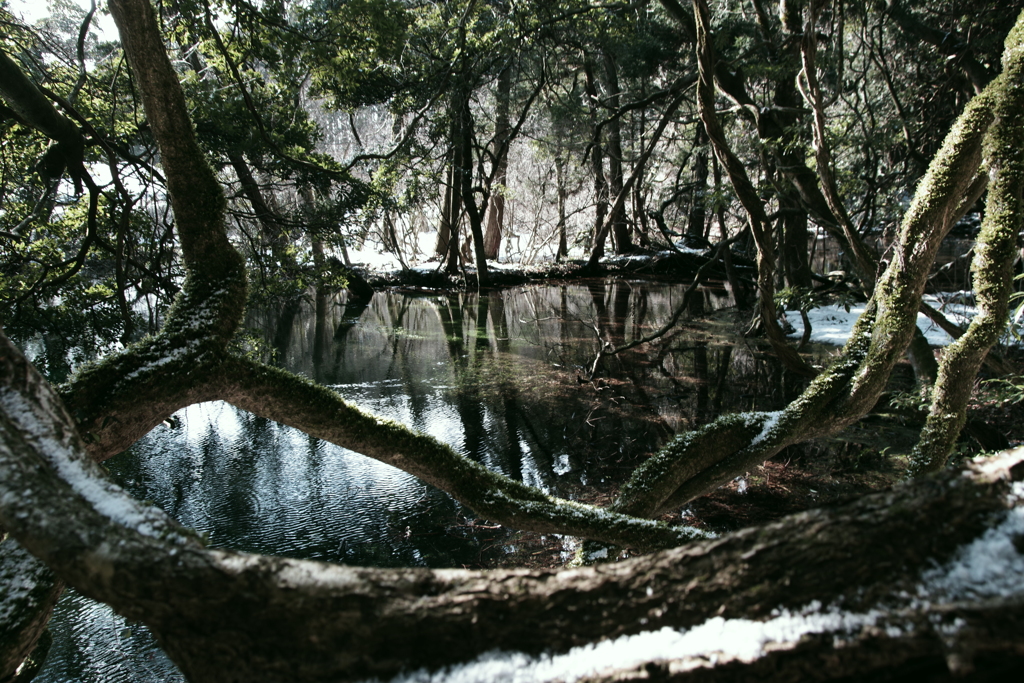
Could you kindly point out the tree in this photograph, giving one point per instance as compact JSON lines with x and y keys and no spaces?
{"x":124,"y":395}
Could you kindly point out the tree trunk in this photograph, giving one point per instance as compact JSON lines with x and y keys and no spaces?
{"x":597,"y":166}
{"x":795,"y":262}
{"x":620,"y":230}
{"x":992,"y":268}
{"x":495,"y":217}
{"x":274,"y":233}
{"x":455,"y":199}
{"x":444,"y":229}
{"x":563,"y":245}
{"x":747,"y":195}
{"x":468,"y":195}
{"x":697,"y":215}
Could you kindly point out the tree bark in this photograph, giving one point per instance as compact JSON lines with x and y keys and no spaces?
{"x":32,"y":108}
{"x":495,"y":217}
{"x":28,"y":592}
{"x":444,"y":228}
{"x":696,"y":217}
{"x":617,"y":219}
{"x":563,"y":194}
{"x":850,"y":386}
{"x":225,"y":616}
{"x":620,"y":199}
{"x":454,"y":206}
{"x":597,"y":165}
{"x":468,"y":194}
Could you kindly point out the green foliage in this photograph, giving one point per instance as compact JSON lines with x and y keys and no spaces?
{"x":355,"y":49}
{"x":795,"y":299}
{"x":915,"y":401}
{"x":1003,"y":390}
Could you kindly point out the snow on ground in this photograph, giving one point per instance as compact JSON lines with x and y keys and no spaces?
{"x":832,"y":324}
{"x":376,"y":259}
{"x":989,"y":567}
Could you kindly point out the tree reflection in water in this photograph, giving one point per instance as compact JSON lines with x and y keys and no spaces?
{"x":503,"y":376}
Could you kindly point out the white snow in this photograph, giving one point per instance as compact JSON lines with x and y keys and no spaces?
{"x":770,"y":420}
{"x":561,"y":464}
{"x":81,"y":474}
{"x":988,"y":567}
{"x":714,"y":639}
{"x":832,"y":324}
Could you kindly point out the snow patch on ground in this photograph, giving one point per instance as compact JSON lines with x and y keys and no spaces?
{"x":832,"y":324}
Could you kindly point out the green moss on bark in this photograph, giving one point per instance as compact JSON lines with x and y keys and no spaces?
{"x":994,"y":253}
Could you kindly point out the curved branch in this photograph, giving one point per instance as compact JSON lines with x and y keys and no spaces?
{"x":747,"y":195}
{"x":316,"y":410}
{"x":992,"y":268}
{"x":227,"y":616}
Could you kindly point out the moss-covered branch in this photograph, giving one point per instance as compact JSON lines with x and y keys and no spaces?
{"x":849,"y":388}
{"x":992,"y":268}
{"x":316,"y":410}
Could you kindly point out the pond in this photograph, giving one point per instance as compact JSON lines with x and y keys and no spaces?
{"x":504,"y":378}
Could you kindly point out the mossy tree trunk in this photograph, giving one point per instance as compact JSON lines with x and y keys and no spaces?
{"x":992,"y":267}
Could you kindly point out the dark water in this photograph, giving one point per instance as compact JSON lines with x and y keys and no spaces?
{"x":504,"y":378}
